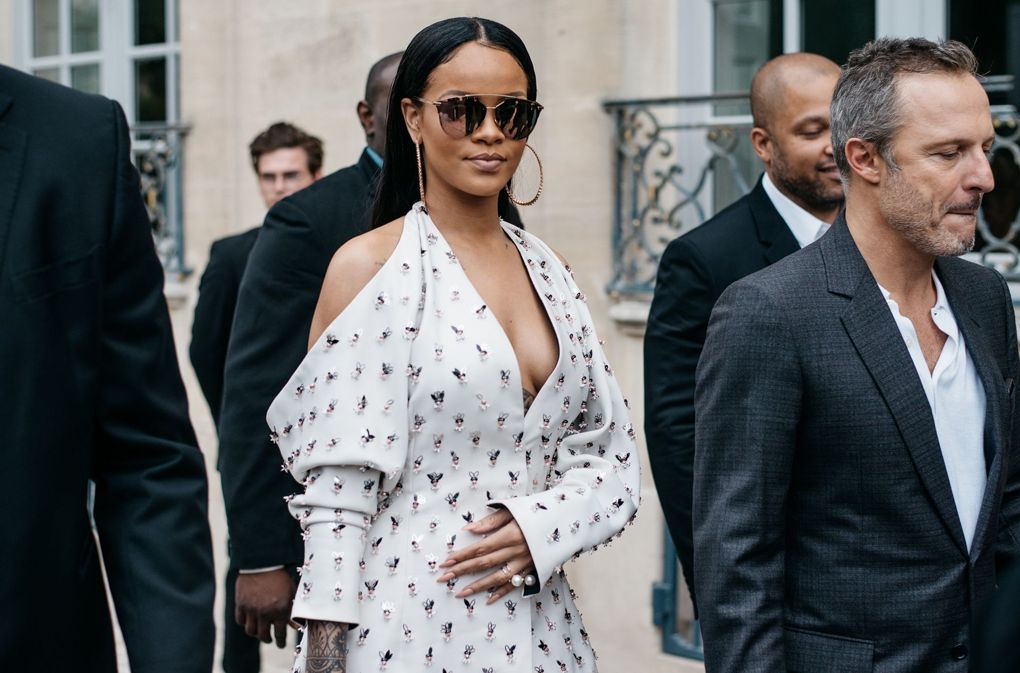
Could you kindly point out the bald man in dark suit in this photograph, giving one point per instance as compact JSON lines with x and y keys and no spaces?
{"x":798,"y":196}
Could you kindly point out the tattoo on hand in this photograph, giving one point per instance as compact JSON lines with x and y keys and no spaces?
{"x":529,"y":397}
{"x":327,"y":652}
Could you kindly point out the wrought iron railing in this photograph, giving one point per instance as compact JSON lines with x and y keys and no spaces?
{"x":999,"y":217}
{"x":678,"y":161}
{"x":669,"y":156}
{"x":159,"y":152}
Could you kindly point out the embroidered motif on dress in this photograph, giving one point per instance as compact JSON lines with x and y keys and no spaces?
{"x":391,"y":479}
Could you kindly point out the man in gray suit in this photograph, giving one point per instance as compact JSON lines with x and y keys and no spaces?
{"x":856,"y":481}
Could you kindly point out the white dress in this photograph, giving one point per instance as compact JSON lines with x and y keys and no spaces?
{"x":405,"y":421}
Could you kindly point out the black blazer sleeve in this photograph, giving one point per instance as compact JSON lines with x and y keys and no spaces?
{"x":268,"y":340}
{"x":151,"y":498}
{"x":217,"y":296}
{"x":748,"y":396}
{"x":675,"y":334}
{"x":210,"y":330}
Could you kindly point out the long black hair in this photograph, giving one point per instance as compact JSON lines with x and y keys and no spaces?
{"x":430,"y":48}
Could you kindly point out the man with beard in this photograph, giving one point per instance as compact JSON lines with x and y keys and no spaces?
{"x":796,"y":199}
{"x":857,"y":471}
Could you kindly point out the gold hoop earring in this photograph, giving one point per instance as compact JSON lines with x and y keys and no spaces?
{"x":421,"y":173}
{"x":541,"y":180}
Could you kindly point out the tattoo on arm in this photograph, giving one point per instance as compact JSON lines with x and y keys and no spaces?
{"x":327,"y":651}
{"x":529,"y":397}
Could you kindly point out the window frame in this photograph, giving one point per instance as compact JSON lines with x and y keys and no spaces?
{"x":162,"y":141}
{"x":116,"y":56}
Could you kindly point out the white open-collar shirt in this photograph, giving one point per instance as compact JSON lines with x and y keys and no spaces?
{"x":954,"y":390}
{"x":957,"y":400}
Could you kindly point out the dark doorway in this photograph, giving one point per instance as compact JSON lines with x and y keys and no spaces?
{"x":834,"y":28}
{"x":992,"y":29}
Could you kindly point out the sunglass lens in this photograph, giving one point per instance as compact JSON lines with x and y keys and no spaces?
{"x":460,"y":116}
{"x":475,"y":113}
{"x":507,"y":115}
{"x":520,"y":119}
{"x":453,"y":116}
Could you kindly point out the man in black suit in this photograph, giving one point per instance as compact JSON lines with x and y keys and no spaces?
{"x":857,"y":468}
{"x":798,"y":195}
{"x":286,"y":160}
{"x":91,"y":390}
{"x":268,"y":340}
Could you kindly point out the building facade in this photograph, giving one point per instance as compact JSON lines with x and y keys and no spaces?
{"x":643,"y":136}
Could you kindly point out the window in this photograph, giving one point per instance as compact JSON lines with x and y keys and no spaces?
{"x":746,"y":34}
{"x":65,"y":42}
{"x":127,"y":50}
{"x":992,"y":29}
{"x":834,"y":28}
{"x":154,"y":59}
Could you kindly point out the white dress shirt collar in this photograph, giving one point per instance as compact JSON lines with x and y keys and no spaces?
{"x":957,"y":400}
{"x":806,"y":227}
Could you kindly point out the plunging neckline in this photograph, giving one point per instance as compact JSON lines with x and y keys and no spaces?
{"x":510,"y":234}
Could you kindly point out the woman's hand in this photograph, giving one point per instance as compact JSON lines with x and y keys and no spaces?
{"x":503,"y":551}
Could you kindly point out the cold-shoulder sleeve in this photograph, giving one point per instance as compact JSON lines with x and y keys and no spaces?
{"x":341,"y":426}
{"x":593,"y":483}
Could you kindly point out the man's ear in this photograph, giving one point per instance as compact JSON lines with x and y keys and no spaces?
{"x":761,"y":142}
{"x":366,"y":117}
{"x":412,"y":118}
{"x":864,"y":160}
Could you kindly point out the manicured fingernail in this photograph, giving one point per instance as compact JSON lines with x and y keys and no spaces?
{"x":447,"y":563}
{"x":444,"y":577}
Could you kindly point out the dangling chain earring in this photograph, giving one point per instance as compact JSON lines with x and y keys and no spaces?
{"x":421,"y":174}
{"x":509,"y":192}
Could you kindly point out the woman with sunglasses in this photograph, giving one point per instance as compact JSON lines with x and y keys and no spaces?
{"x":456,"y":427}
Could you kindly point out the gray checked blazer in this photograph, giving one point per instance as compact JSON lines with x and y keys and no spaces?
{"x":826,"y":534}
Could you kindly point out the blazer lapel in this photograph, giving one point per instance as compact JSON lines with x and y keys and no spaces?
{"x":12,"y":153}
{"x":880,"y":346}
{"x":996,"y":402}
{"x":775,"y":236}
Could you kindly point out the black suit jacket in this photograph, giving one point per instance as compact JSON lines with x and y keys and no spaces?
{"x":268,"y":340}
{"x":214,"y":313}
{"x":997,"y":629}
{"x":695,"y":269}
{"x":826,"y":534}
{"x":90,"y":390}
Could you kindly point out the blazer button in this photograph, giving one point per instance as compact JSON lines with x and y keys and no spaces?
{"x":958,"y":652}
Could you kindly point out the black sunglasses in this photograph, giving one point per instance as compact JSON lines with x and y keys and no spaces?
{"x":459,"y":116}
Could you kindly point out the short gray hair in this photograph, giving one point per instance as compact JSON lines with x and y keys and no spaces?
{"x":865,"y":104}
